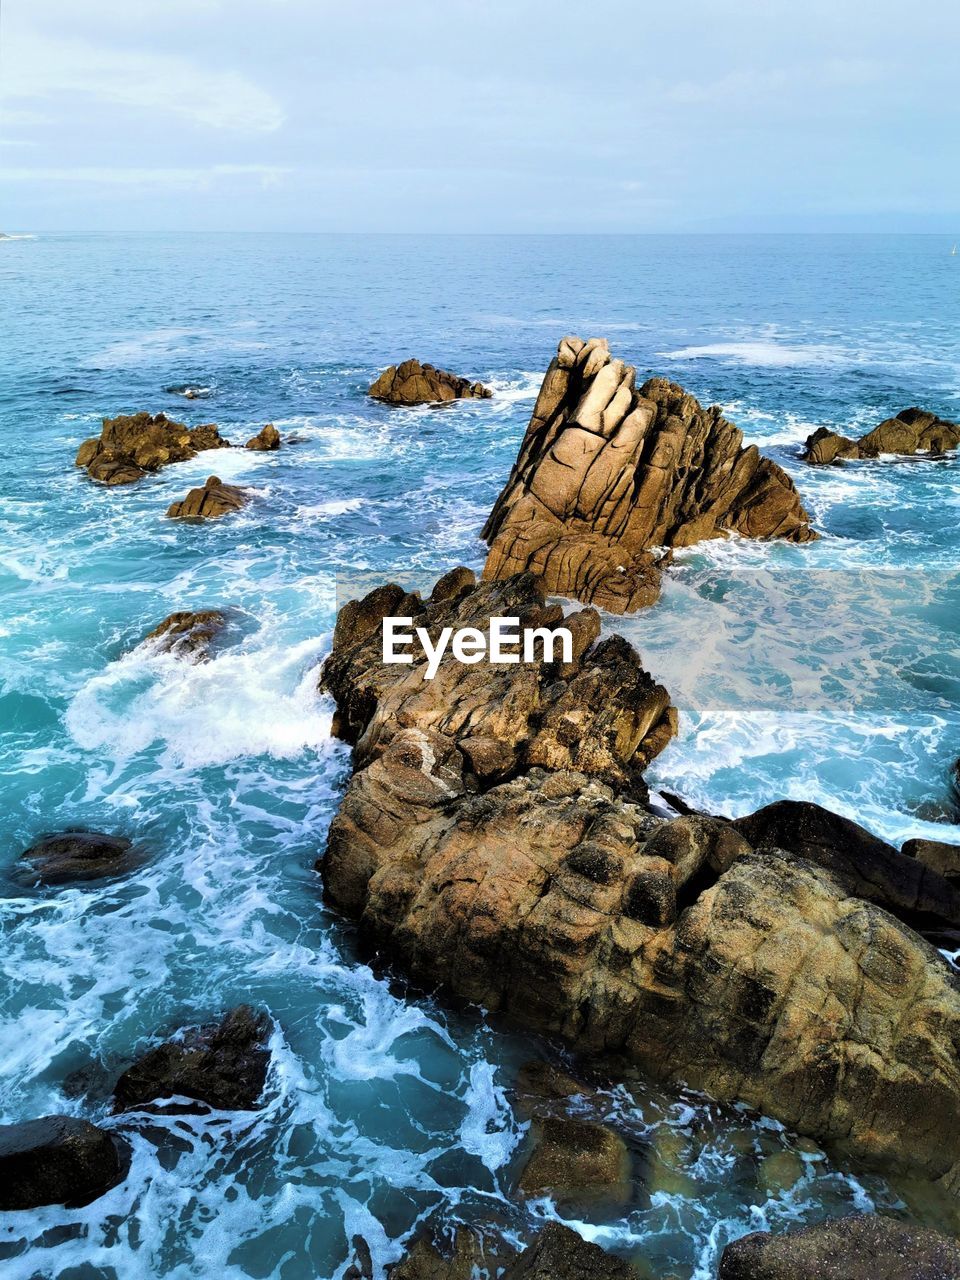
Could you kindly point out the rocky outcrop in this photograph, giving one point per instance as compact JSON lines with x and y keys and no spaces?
{"x":188,"y":633}
{"x":220,"y":1064}
{"x":941,"y":858}
{"x":912,"y":431}
{"x":208,"y":503}
{"x":57,"y":1160}
{"x":71,"y":856}
{"x":265,"y":441}
{"x":131,"y":445}
{"x":556,"y":1254}
{"x":494,"y":840}
{"x":606,"y":472}
{"x":414,"y":383}
{"x":861,"y":1247}
{"x":574,"y":1159}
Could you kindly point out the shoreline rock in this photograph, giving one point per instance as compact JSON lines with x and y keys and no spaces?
{"x":213,"y":500}
{"x":607,"y":472}
{"x":556,"y":1253}
{"x":188,"y":633}
{"x":267,"y":440}
{"x":132,"y":445}
{"x":911,"y":432}
{"x":69,"y":857}
{"x":414,"y":383}
{"x":57,"y":1160}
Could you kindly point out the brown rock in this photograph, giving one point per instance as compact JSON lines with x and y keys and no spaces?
{"x":414,"y":383}
{"x":861,"y":1247}
{"x":470,"y":1257}
{"x":942,"y":858}
{"x":576,"y":1160}
{"x":130,"y":446}
{"x":265,"y":441}
{"x":560,"y":1254}
{"x":606,"y":472}
{"x":71,"y":856}
{"x":57,"y":1160}
{"x":912,"y":431}
{"x":188,"y":634}
{"x":213,"y":500}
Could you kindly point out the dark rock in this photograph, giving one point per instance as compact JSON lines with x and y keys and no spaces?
{"x":607,"y":472}
{"x":222,"y":1064}
{"x":71,"y":856}
{"x":213,"y":500}
{"x":861,"y":1247}
{"x":576,"y":1160}
{"x":57,"y":1160}
{"x":942,"y":858}
{"x":469,"y":1257}
{"x":560,"y":1254}
{"x":414,"y":383}
{"x":265,"y":441}
{"x":188,"y":634}
{"x":912,"y":431}
{"x":130,"y":446}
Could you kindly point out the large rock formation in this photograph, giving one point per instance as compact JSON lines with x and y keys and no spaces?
{"x":214,"y":499}
{"x":414,"y":383}
{"x":266,"y":440}
{"x":131,"y":445}
{"x":71,"y":856}
{"x":57,"y":1160}
{"x":911,"y":431}
{"x":188,"y":633}
{"x":606,"y":472}
{"x":861,"y":1247}
{"x":494,"y":840}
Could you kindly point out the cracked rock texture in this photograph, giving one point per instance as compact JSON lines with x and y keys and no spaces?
{"x":131,"y":445}
{"x":414,"y":383}
{"x":911,"y":431}
{"x":214,"y":499}
{"x":494,"y":840}
{"x":606,"y":472}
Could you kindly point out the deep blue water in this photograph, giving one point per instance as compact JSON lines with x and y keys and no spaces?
{"x":828,"y":672}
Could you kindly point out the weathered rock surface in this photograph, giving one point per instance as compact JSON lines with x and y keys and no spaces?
{"x":912,"y":431}
{"x":556,"y":1254}
{"x":188,"y":633}
{"x":861,"y":1247}
{"x":606,"y":472}
{"x":494,"y":841}
{"x":131,"y":445}
{"x":71,"y":856}
{"x":469,"y":1257}
{"x":573,"y":1159}
{"x":265,"y":441}
{"x":57,"y":1160}
{"x":414,"y":383}
{"x":940,"y":857}
{"x":208,"y":503}
{"x":221,"y":1064}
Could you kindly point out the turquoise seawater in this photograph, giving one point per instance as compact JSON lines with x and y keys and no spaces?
{"x":829,"y":672}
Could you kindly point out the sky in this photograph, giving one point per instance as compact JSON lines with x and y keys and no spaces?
{"x":479,"y":115}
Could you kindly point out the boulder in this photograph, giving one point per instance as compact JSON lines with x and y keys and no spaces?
{"x":220,"y":1064}
{"x":469,"y":1257}
{"x":560,"y":1254}
{"x":57,"y":1160}
{"x":576,"y":1160}
{"x":414,"y":383}
{"x":861,"y":1247}
{"x":944,"y":859}
{"x":214,"y":499}
{"x":131,"y":445}
{"x":265,"y":441}
{"x":606,"y":472}
{"x":188,"y":634}
{"x":71,"y":856}
{"x":912,"y":431}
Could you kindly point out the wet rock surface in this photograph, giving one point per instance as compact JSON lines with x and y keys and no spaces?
{"x":414,"y":383}
{"x":861,"y":1247}
{"x":188,"y":633}
{"x":132,"y":445}
{"x":266,"y":440}
{"x":57,"y":1160}
{"x":938,"y":855}
{"x":70,"y":857}
{"x":576,"y":1160}
{"x":213,"y":500}
{"x":911,"y":432}
{"x":606,"y":472}
{"x":557,"y":1253}
{"x":220,"y":1064}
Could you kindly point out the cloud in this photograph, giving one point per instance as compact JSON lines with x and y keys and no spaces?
{"x":37,"y":69}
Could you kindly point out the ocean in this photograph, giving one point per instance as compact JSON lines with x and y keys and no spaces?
{"x":828,"y":672}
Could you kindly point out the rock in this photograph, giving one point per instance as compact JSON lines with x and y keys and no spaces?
{"x":71,"y":856}
{"x":265,"y":441}
{"x":130,"y":446}
{"x":942,"y":858}
{"x":780,"y":1173}
{"x":911,"y":431}
{"x":576,"y":1159}
{"x":213,"y":500}
{"x":222,"y":1064}
{"x":540,"y":1083}
{"x":861,"y":1247}
{"x":188,"y":634}
{"x":560,"y":1254}
{"x":414,"y":383}
{"x":470,"y":1257}
{"x":57,"y":1160}
{"x":607,"y":472}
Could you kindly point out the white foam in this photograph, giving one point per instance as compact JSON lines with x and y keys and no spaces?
{"x":761,"y":352}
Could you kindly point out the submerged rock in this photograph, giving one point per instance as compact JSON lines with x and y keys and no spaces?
{"x":188,"y":633}
{"x":557,"y":1253}
{"x":575,"y":1159}
{"x":57,"y":1160}
{"x":130,"y":446}
{"x":208,"y":503}
{"x":861,"y":1247}
{"x":912,"y":431}
{"x":469,"y":1257}
{"x":221,"y":1064}
{"x":71,"y":856}
{"x":414,"y":383}
{"x":265,"y":441}
{"x":606,"y":472}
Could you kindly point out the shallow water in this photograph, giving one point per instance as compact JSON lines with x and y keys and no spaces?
{"x":829,"y":672}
